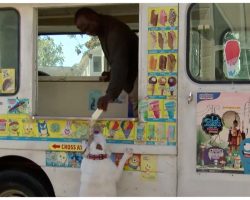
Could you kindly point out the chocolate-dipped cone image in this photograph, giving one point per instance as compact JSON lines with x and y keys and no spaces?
{"x":152,"y":81}
{"x":162,"y":84}
{"x":171,"y":83}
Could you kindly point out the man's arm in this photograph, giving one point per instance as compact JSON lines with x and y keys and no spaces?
{"x":119,"y":61}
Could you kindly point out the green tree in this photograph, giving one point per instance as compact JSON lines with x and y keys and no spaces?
{"x":49,"y":53}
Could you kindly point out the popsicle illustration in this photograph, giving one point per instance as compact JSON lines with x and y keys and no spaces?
{"x":162,"y":62}
{"x":155,"y":107}
{"x":152,"y":62}
{"x":153,"y":39}
{"x":172,"y":17}
{"x":163,"y":17}
{"x":153,"y":18}
{"x":160,"y":40}
{"x":231,"y":56}
{"x":171,"y":40}
{"x":171,"y":62}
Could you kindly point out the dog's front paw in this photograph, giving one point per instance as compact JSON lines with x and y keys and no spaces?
{"x":128,"y":153}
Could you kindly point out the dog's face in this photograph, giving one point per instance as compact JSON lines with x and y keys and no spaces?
{"x":98,"y":145}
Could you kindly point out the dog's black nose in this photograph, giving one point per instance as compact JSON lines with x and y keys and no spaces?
{"x":99,"y":147}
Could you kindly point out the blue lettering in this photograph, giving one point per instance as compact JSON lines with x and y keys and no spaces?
{"x":214,"y":121}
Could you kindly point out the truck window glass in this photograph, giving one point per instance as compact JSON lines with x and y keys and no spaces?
{"x":9,"y":51}
{"x":218,"y":43}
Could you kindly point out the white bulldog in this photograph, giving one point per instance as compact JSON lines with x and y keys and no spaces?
{"x":99,"y":175}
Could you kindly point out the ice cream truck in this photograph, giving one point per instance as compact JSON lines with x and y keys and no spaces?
{"x":191,"y":134}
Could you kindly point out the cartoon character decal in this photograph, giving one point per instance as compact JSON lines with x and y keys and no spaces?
{"x":75,"y":159}
{"x":213,"y":155}
{"x":62,"y":158}
{"x":13,"y":127}
{"x":43,"y":128}
{"x":134,"y":162}
{"x":67,"y":129}
{"x":245,"y":155}
{"x":28,"y":128}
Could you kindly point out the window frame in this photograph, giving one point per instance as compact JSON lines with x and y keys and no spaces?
{"x":18,"y":68}
{"x":188,"y":46}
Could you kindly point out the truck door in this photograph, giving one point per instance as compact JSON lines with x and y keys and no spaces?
{"x":213,"y":100}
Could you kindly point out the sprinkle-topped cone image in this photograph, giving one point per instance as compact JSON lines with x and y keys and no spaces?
{"x":231,"y":54}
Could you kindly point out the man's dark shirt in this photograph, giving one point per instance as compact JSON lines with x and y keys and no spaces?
{"x":120,"y":46}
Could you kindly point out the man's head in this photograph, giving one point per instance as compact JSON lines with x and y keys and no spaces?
{"x":87,"y":21}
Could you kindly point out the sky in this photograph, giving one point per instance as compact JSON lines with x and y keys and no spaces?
{"x":69,"y":44}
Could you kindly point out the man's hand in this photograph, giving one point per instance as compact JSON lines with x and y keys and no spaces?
{"x":103,"y":102}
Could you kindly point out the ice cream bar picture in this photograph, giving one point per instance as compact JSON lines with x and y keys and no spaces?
{"x":163,"y":17}
{"x":152,"y":81}
{"x":171,"y":39}
{"x":160,"y":40}
{"x":153,"y":40}
{"x":153,"y":18}
{"x":155,"y":108}
{"x":152,"y":62}
{"x":172,"y":17}
{"x":231,"y":56}
{"x":162,"y":62}
{"x":171,"y":62}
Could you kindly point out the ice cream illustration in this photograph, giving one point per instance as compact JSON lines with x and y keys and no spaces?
{"x":152,"y":81}
{"x":171,"y":83}
{"x":155,"y":108}
{"x":163,"y":17}
{"x":162,"y":84}
{"x":152,"y":62}
{"x":153,"y":18}
{"x":153,"y":39}
{"x":231,"y":55}
{"x":171,"y":40}
{"x":172,"y":17}
{"x":160,"y":40}
{"x":127,"y":126}
{"x":171,"y":62}
{"x":162,"y":62}
{"x":113,"y":127}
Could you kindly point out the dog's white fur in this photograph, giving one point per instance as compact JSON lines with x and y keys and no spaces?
{"x":99,"y":177}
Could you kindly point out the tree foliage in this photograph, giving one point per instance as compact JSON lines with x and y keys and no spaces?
{"x":92,"y":43}
{"x":49,"y":53}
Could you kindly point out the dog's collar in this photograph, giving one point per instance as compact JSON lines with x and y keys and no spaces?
{"x":97,"y":157}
